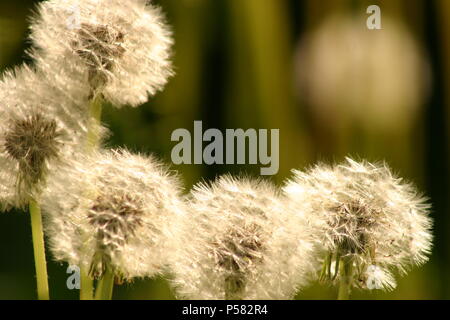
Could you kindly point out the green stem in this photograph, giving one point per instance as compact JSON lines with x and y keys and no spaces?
{"x":39,"y":250}
{"x":336,"y":267}
{"x":87,"y":285}
{"x":105,"y":286}
{"x":326,"y":268}
{"x":95,"y":112}
{"x":345,"y":278}
{"x":98,"y":290}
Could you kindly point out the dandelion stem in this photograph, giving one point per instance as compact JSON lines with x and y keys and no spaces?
{"x":105,"y":286}
{"x":98,"y":290}
{"x":336,"y":267}
{"x":95,"y":112}
{"x":345,"y":278}
{"x":86,"y":285}
{"x":39,"y":250}
{"x":325,"y":274}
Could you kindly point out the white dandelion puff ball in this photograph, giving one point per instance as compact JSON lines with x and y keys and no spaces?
{"x":361,"y":211}
{"x":112,"y":209}
{"x":350,"y":74}
{"x":40,"y":129}
{"x":120,"y":49}
{"x":238,"y":242}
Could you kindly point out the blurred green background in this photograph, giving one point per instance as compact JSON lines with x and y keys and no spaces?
{"x":332,"y":90}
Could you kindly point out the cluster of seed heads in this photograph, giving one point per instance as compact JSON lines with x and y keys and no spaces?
{"x":121,"y":53}
{"x":235,"y":238}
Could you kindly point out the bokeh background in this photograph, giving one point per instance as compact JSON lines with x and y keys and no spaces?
{"x":309,"y":68}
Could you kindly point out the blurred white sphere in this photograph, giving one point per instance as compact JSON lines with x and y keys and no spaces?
{"x":375,"y":78}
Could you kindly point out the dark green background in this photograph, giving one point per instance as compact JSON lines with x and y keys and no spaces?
{"x":234,"y":63}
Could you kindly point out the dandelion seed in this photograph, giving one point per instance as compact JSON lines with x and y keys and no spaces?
{"x":112,"y":210}
{"x":363,"y":216}
{"x":116,"y":49}
{"x":377,"y":278}
{"x":239,"y":242}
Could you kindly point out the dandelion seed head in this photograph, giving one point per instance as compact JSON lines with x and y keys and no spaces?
{"x":239,"y":243}
{"x":116,"y":218}
{"x":99,"y":46}
{"x":31,"y":142}
{"x":39,"y":130}
{"x":115,"y":212}
{"x":121,"y":51}
{"x":362,"y":211}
